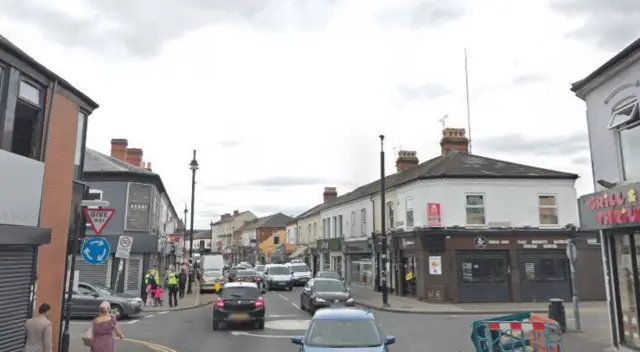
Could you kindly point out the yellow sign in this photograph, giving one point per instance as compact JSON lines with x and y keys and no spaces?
{"x":408,"y":276}
{"x":217,"y":286}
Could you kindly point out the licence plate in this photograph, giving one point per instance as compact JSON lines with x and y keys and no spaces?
{"x":239,"y":316}
{"x":282,"y":283}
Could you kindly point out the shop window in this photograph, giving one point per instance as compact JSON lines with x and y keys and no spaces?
{"x":547,"y":269}
{"x":409,"y":211}
{"x":484,"y":270}
{"x":627,"y":271}
{"x":548,"y":210}
{"x":475,"y":209}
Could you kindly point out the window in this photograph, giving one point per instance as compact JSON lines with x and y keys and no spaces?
{"x":30,"y":93}
{"x":475,"y":209}
{"x":315,"y":231}
{"x":94,"y":194}
{"x":276,"y":237}
{"x":325,"y":228}
{"x":335,"y":227}
{"x":23,"y":125}
{"x":391,"y":217}
{"x":289,"y":236}
{"x":352,"y":231}
{"x":409,"y":211}
{"x":624,"y":122}
{"x":309,"y":233}
{"x":344,"y":334}
{"x":363,"y":223}
{"x":548,"y":210}
{"x":340,"y":233}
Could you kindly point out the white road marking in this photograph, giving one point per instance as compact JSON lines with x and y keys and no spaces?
{"x":287,"y":324}
{"x":132,"y":322}
{"x":87,"y":323}
{"x":283,"y":297}
{"x":245,"y":333}
{"x":295,"y":305}
{"x":280,"y":316}
{"x":163,"y":313}
{"x":150,"y":316}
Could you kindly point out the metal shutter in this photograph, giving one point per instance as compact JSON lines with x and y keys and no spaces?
{"x":544,"y":275}
{"x":94,"y":274}
{"x":483,"y":276}
{"x":16,"y":265}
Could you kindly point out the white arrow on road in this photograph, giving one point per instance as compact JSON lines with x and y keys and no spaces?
{"x":87,"y":252}
{"x":101,"y":256}
{"x":244,"y":333}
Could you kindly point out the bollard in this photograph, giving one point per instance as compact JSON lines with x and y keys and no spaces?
{"x":557,"y":313}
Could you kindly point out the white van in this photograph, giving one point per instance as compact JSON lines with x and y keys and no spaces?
{"x":211,"y":262}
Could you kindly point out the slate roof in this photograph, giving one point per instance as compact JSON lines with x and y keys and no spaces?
{"x":201,"y":235}
{"x":453,"y":164}
{"x":221,"y":221}
{"x":17,"y":52}
{"x":96,"y":162}
{"x":272,"y":221}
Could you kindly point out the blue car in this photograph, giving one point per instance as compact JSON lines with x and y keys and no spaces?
{"x":344,"y":329}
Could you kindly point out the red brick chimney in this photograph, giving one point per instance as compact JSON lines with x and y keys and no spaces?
{"x":329,"y":193}
{"x":134,"y":157}
{"x":407,"y":159}
{"x":454,"y":139}
{"x":119,"y":148}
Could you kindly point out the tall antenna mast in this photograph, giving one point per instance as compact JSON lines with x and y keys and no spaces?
{"x":443,"y":121}
{"x":466,"y":81}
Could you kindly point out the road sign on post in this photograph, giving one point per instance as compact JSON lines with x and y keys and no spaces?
{"x":98,"y":218}
{"x":124,"y":247}
{"x":95,"y":250}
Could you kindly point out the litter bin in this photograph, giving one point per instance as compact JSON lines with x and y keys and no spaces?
{"x":557,"y":313}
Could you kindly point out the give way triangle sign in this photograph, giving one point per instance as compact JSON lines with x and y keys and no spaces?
{"x":98,"y":218}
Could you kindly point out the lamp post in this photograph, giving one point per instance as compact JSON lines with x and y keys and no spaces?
{"x":184,"y":234}
{"x":194,"y":167}
{"x":383,"y":236}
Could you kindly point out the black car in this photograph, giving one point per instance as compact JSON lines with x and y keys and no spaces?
{"x":325,"y":293}
{"x":239,"y":303}
{"x":327,"y":275}
{"x":233,"y":272}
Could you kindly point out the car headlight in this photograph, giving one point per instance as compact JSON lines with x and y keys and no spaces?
{"x":350,"y":300}
{"x":318,"y":299}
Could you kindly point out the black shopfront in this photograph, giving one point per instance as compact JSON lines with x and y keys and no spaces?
{"x":359,"y":264}
{"x":616,"y":214}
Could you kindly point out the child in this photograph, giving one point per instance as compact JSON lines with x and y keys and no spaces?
{"x":157,"y":295}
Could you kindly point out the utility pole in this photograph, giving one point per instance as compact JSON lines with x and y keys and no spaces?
{"x":194,"y":167}
{"x":383,"y":247}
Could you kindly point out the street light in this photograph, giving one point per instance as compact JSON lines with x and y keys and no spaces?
{"x":383,"y":236}
{"x":184,"y":234}
{"x":194,"y":167}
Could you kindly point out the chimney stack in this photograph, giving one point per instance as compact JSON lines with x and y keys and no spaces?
{"x":407,"y":159}
{"x":119,"y":148}
{"x":148,"y":166}
{"x":454,"y":139}
{"x":235,"y":213}
{"x":329,"y":193}
{"x":134,"y":157}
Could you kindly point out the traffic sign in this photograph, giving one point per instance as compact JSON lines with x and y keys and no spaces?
{"x":124,"y":247}
{"x":95,"y":250}
{"x":98,"y":218}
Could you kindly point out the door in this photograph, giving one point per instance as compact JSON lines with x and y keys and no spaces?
{"x":483,"y":276}
{"x":409,"y":266}
{"x":17,"y":267}
{"x":544,"y":275}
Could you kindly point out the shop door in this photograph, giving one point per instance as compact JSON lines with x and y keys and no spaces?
{"x":483,"y":277}
{"x":544,"y":275}
{"x":410,"y":265}
{"x":17,"y":267}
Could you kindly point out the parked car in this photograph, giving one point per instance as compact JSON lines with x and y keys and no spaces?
{"x":86,"y":301}
{"x":328,"y":275}
{"x":344,"y":329}
{"x":239,"y":302}
{"x":325,"y":293}
{"x":278,"y":276}
{"x":300,"y":273}
{"x":209,"y":280}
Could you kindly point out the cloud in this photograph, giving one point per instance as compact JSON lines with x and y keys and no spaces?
{"x":528,"y":78}
{"x":140,"y":28}
{"x":417,"y":14}
{"x":426,"y":91}
{"x":609,"y":24}
{"x":520,"y":144}
{"x":268,"y":209}
{"x":581,"y":160}
{"x":229,"y":144}
{"x":277,"y":182}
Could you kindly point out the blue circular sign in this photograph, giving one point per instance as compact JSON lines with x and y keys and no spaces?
{"x":95,"y":250}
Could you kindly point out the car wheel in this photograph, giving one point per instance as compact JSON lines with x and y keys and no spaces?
{"x":116,"y":311}
{"x":216,"y":325}
{"x":260,"y":325}
{"x":289,"y":288}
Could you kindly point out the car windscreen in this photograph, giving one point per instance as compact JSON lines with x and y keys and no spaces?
{"x":260,"y":268}
{"x":328,"y":275}
{"x":240,"y":292}
{"x":343,"y":334}
{"x":328,"y":286}
{"x":247,"y":273}
{"x":279,"y":270}
{"x":300,"y":268}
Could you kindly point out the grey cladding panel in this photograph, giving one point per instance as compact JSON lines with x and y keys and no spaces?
{"x":16,"y":265}
{"x":139,"y":202}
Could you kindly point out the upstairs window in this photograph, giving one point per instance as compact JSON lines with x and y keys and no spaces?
{"x":391,"y":217}
{"x":23,"y":122}
{"x":409,"y":211}
{"x":624,"y":122}
{"x":363,"y":221}
{"x":475,"y":209}
{"x":548,"y":210}
{"x":353,"y":224}
{"x":340,"y":234}
{"x":276,"y":237}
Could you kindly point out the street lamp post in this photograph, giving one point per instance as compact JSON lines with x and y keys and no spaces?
{"x":194,"y":167}
{"x":184,"y":234}
{"x":383,"y":236}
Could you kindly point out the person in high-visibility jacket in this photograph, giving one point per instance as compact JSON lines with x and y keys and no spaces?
{"x":172,"y":286}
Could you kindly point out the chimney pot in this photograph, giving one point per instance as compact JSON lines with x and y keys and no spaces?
{"x":407,"y":159}
{"x":119,"y":148}
{"x":235,"y":213}
{"x":454,"y":139}
{"x":329,"y":193}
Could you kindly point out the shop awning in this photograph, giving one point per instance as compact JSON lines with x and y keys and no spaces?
{"x":298,"y":252}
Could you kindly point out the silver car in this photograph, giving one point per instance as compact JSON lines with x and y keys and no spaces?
{"x":278,"y":276}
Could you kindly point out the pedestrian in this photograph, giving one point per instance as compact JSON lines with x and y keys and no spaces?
{"x":182,"y":281}
{"x":151,"y":283}
{"x":103,"y":328}
{"x":157,"y":296}
{"x":39,"y":331}
{"x":172,"y":287}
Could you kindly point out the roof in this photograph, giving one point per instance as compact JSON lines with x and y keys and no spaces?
{"x":222,"y":221}
{"x":277,"y":220}
{"x":344,"y":314}
{"x":621,"y":56}
{"x":201,"y":235}
{"x":240,"y":284}
{"x":16,"y":51}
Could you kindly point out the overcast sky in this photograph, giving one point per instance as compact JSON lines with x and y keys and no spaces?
{"x":282,"y":98}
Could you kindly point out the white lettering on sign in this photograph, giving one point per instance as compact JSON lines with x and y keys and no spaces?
{"x":539,"y":241}
{"x":549,"y":246}
{"x":494,"y":242}
{"x":98,"y":218}
{"x":522,"y":242}
{"x":534,"y":246}
{"x":560,"y":241}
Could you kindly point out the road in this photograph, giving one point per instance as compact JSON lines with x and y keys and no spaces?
{"x":191,"y":330}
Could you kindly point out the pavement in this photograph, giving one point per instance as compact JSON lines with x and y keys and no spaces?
{"x":76,"y":345}
{"x":191,"y":330}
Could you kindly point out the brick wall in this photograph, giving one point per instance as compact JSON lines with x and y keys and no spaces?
{"x":56,"y":206}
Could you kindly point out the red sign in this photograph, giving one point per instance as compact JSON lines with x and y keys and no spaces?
{"x":98,"y":218}
{"x":434,"y":217}
{"x":175,"y":238}
{"x":615,"y":208}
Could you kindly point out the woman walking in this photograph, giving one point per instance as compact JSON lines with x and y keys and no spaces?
{"x":39,"y":331}
{"x":103,"y":328}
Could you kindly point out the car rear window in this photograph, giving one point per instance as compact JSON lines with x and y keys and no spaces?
{"x":213,"y":273}
{"x":247,"y":273}
{"x":240,"y":292}
{"x":300,"y":268}
{"x":260,"y":267}
{"x":279,"y":270}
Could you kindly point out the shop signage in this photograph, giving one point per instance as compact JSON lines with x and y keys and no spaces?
{"x":434,"y":217}
{"x":547,"y":244}
{"x":357,"y":247}
{"x":435,"y":265}
{"x":409,"y":243}
{"x":480,"y":242}
{"x":20,"y":189}
{"x":613,"y":208}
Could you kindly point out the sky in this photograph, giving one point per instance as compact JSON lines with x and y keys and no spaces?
{"x":281,"y":98}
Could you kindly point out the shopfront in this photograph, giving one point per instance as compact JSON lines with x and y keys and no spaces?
{"x":331,"y":255}
{"x":407,"y":265}
{"x":358,"y":262}
{"x":616,"y":214}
